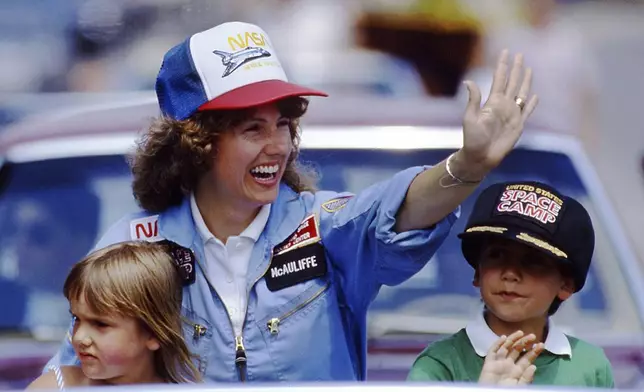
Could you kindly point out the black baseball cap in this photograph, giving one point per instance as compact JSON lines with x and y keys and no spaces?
{"x":536,"y":215}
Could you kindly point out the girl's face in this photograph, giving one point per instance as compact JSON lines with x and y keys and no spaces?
{"x":251,"y":158}
{"x":112,"y":349}
{"x":519,"y":283}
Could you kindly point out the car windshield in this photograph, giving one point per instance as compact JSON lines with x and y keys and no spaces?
{"x":52,"y":212}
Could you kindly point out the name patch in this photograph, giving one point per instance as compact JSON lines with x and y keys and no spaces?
{"x":296,"y":266}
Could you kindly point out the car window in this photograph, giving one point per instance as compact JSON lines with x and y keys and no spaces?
{"x":53,"y":212}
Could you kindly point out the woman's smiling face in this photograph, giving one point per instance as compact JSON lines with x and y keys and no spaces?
{"x":251,"y":157}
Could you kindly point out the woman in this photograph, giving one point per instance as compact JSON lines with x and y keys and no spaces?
{"x":284,"y":274}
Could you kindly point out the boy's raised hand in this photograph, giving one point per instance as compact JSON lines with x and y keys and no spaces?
{"x":505,"y":364}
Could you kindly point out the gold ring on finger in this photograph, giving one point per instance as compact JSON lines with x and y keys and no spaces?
{"x":520,"y":101}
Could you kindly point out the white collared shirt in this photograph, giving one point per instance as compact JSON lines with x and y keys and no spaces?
{"x":482,"y":337}
{"x":227,"y":264}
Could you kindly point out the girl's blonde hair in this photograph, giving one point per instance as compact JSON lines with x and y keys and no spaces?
{"x":138,"y":280}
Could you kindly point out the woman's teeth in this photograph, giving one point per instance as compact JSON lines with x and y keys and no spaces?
{"x":265,"y":171}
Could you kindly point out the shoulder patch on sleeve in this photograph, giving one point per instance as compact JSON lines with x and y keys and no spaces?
{"x":336,"y":204}
{"x":145,"y":229}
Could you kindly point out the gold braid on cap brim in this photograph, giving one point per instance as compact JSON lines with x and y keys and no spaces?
{"x":521,"y":236}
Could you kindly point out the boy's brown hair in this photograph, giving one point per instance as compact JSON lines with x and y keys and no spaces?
{"x":138,"y":280}
{"x":174,"y":154}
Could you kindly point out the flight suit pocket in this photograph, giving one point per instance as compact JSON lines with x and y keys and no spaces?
{"x":305,"y":339}
{"x":197,"y":333}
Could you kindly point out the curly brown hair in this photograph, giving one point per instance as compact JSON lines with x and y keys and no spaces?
{"x":173,"y":155}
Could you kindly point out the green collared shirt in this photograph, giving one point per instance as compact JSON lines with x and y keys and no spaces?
{"x":455,"y":359}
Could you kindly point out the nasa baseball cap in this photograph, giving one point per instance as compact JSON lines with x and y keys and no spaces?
{"x":230,"y":66}
{"x":536,"y":215}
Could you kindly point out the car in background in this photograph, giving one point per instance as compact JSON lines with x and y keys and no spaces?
{"x":64,"y":180}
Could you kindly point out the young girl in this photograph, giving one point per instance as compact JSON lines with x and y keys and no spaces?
{"x":126,"y":304}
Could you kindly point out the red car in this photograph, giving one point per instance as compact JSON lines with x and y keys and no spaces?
{"x":64,"y":180}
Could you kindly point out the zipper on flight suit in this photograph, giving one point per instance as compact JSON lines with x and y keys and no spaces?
{"x":240,"y":357}
{"x":240,"y":351}
{"x":273,"y":324}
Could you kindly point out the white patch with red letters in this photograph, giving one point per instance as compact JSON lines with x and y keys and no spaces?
{"x":145,"y":229}
{"x":307,"y":233}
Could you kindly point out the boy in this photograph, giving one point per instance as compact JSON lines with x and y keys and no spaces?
{"x":531,"y":249}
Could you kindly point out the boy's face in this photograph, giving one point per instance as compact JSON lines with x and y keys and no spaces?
{"x":519,"y":283}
